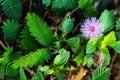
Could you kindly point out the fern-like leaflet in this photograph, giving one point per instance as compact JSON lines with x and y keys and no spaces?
{"x":101,"y":73}
{"x":39,"y":29}
{"x":39,"y":56}
{"x":12,"y":8}
{"x":5,"y":63}
{"x":11,"y":30}
{"x":118,"y":24}
{"x":7,"y":55}
{"x":67,"y":4}
{"x":27,"y":41}
{"x":2,"y":73}
{"x":7,"y":71}
{"x":46,"y":2}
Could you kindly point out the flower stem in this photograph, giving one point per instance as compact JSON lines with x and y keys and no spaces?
{"x":115,"y":55}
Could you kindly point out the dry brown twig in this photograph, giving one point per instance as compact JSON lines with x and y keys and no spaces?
{"x":113,"y":59}
{"x":30,"y":71}
{"x":66,"y":16}
{"x":2,"y":44}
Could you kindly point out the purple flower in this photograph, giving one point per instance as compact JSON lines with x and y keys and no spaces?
{"x":91,"y":28}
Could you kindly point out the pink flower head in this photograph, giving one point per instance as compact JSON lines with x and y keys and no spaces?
{"x":91,"y":28}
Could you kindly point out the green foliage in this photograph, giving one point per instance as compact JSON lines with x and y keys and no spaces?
{"x":39,"y":29}
{"x":118,"y":24}
{"x":38,"y":43}
{"x":57,"y":44}
{"x":90,"y":11}
{"x":62,"y":58}
{"x":33,"y":58}
{"x":61,"y":6}
{"x":46,"y":2}
{"x":7,"y":55}
{"x":38,"y":8}
{"x":27,"y":41}
{"x":12,"y":8}
{"x":74,"y":43}
{"x":106,"y":55}
{"x":38,"y":76}
{"x":117,"y":34}
{"x":84,"y":3}
{"x":64,"y":4}
{"x":67,"y":25}
{"x":107,"y":20}
{"x":79,"y":58}
{"x":91,"y":45}
{"x":88,"y":60}
{"x":101,"y":73}
{"x":7,"y":70}
{"x":2,"y":72}
{"x":12,"y":28}
{"x":45,"y":69}
{"x":1,"y":1}
{"x":22,"y":74}
{"x":60,"y":76}
{"x":116,"y":47}
{"x":109,"y":40}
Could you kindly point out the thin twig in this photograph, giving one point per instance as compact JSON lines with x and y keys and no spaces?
{"x":45,"y":15}
{"x":115,"y":55}
{"x":3,"y":46}
{"x":30,"y":4}
{"x":30,"y":71}
{"x":74,"y":10}
{"x":6,"y":43}
{"x":52,"y":78}
{"x":67,"y":15}
{"x":76,"y":27}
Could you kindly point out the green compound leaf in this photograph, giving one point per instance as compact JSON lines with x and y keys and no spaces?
{"x":62,"y":57}
{"x":46,"y":2}
{"x":90,"y":11}
{"x":11,"y":30}
{"x":22,"y":74}
{"x":47,"y":70}
{"x":101,"y":73}
{"x":7,"y":55}
{"x":118,"y":24}
{"x":27,"y":41}
{"x":79,"y":58}
{"x":67,"y":25}
{"x":84,"y":3}
{"x":57,"y":44}
{"x":39,"y":56}
{"x":117,"y":34}
{"x":106,"y":55}
{"x":74,"y":43}
{"x":116,"y":47}
{"x":91,"y":45}
{"x":7,"y":70}
{"x":64,"y":4}
{"x":88,"y":60}
{"x":107,"y":21}
{"x":60,"y":76}
{"x":38,"y":76}
{"x":109,"y":40}
{"x":12,"y":8}
{"x":39,"y":29}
